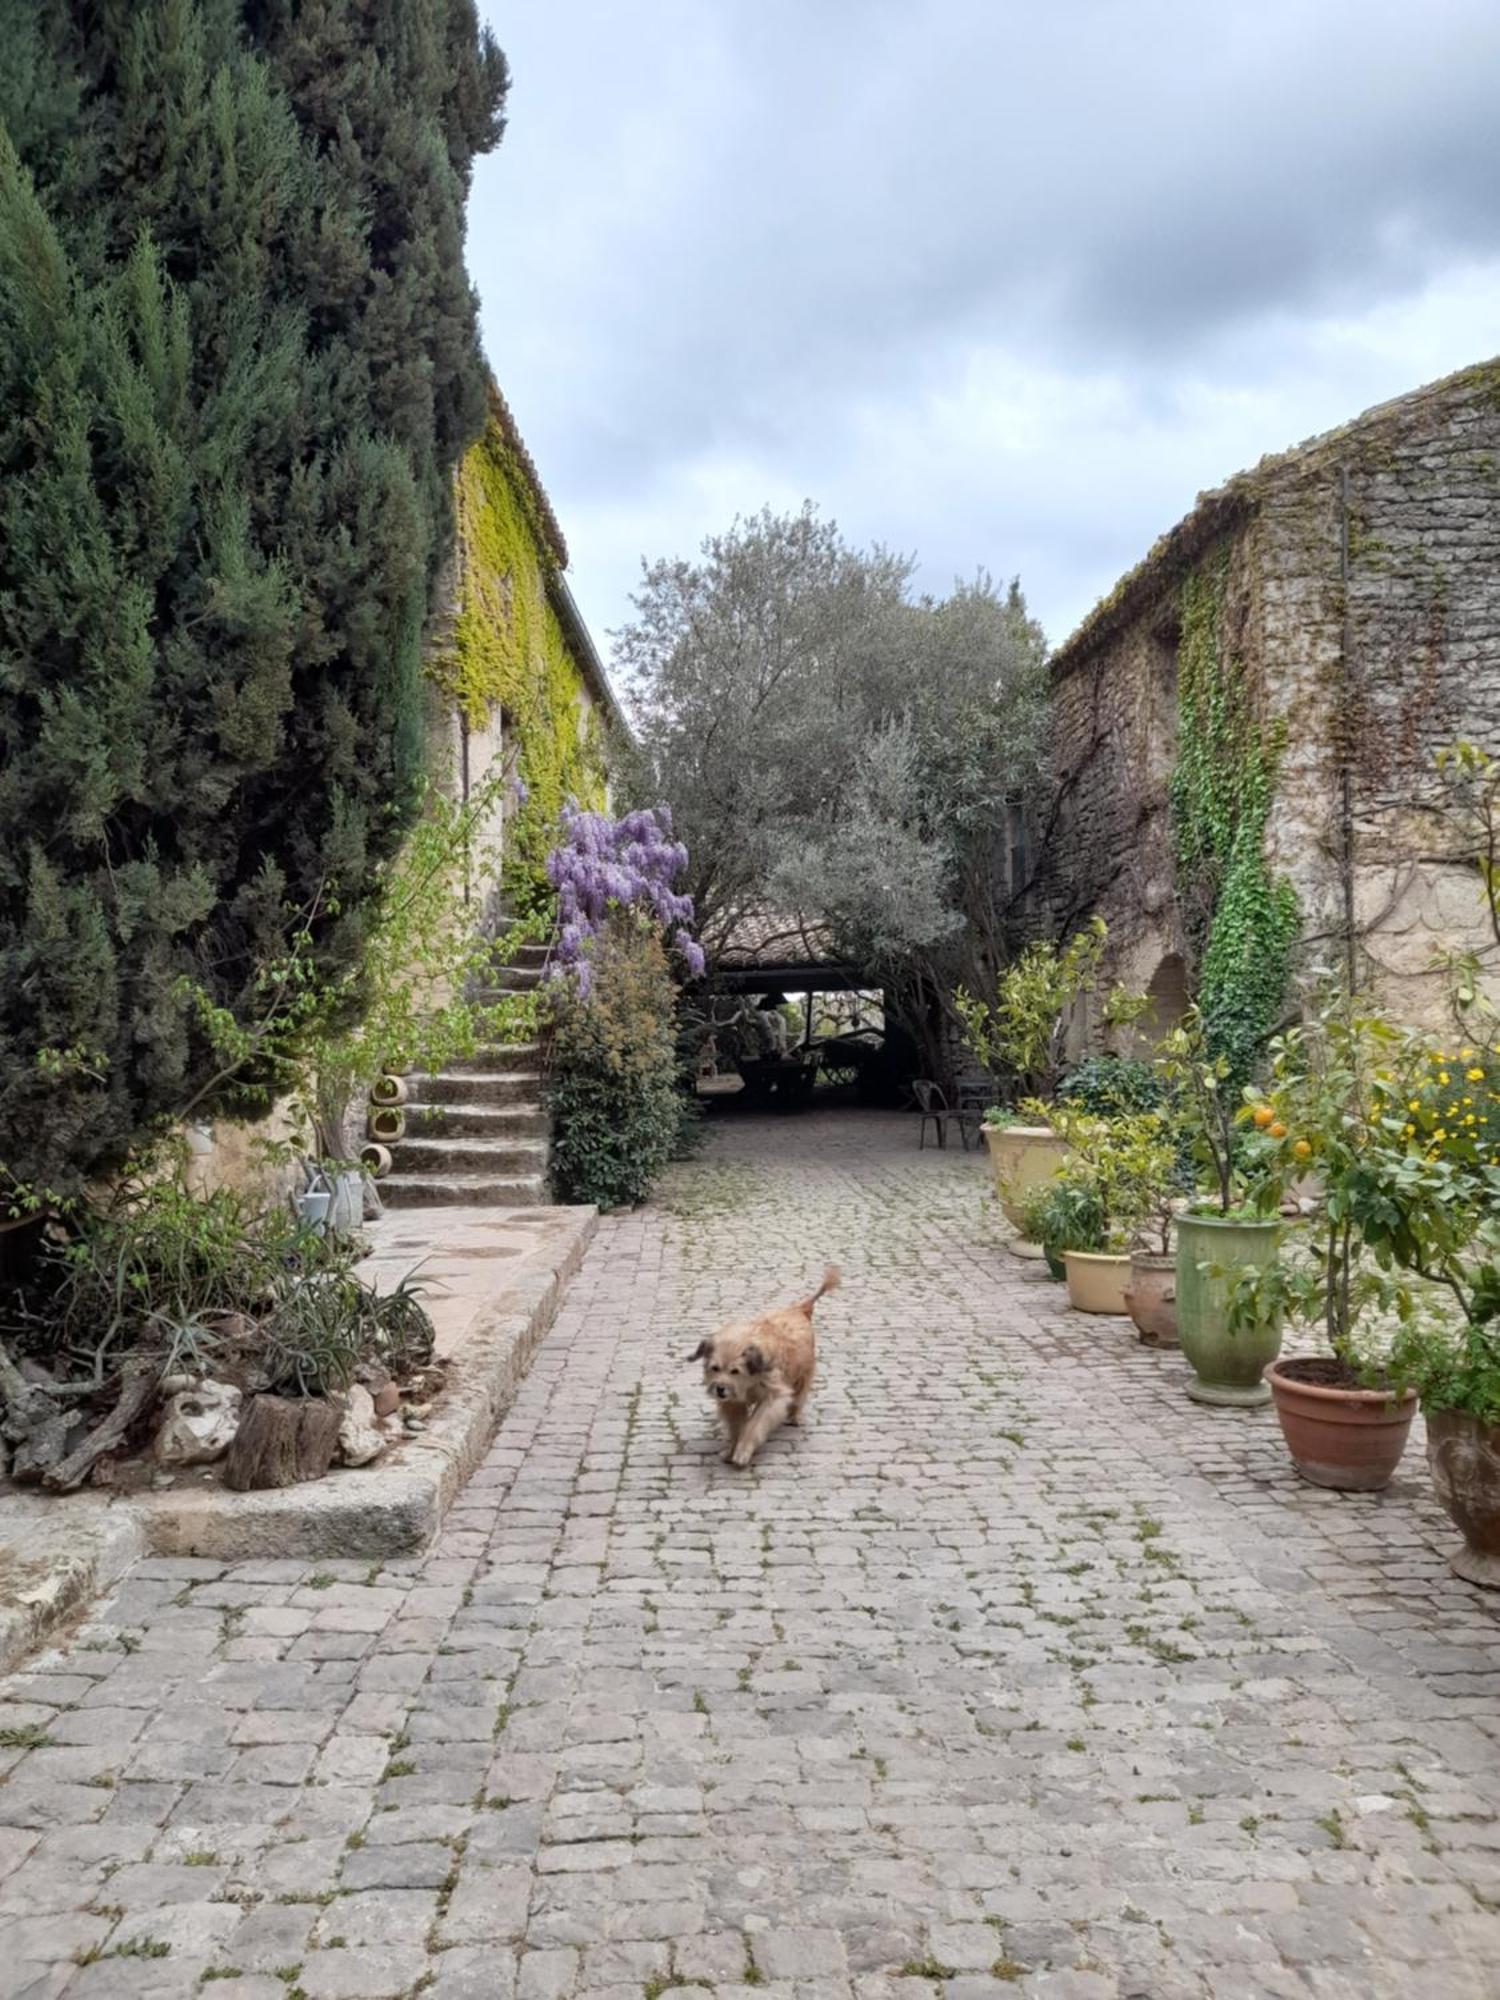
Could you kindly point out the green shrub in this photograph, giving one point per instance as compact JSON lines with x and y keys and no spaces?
{"x":238,"y":363}
{"x":1112,"y":1086}
{"x":616,"y":1111}
{"x":1061,"y":1215}
{"x":219,"y":1282}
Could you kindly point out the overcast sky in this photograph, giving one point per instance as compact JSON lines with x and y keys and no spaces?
{"x":1003,"y":285}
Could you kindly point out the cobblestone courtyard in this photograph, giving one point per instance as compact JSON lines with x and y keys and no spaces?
{"x":1014,"y":1671}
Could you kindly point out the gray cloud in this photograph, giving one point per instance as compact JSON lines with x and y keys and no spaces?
{"x":1001,"y":283}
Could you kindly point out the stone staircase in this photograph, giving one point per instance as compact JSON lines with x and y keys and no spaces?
{"x":476,"y":1136}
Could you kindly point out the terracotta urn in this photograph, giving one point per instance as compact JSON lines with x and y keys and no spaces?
{"x":1345,"y":1437}
{"x":1151,"y":1298}
{"x":1464,"y":1456}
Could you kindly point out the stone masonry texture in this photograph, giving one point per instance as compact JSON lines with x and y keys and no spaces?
{"x":1013,"y":1671}
{"x":1374,"y":680}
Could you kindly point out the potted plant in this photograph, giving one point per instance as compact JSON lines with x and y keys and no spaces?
{"x":1426,"y":1205}
{"x":1022,"y":1034}
{"x":1336,"y":1081}
{"x":1126,"y":1164}
{"x":1438,"y":1218}
{"x":1151,"y":1297}
{"x":1232,"y":1231}
{"x":1062,"y":1215}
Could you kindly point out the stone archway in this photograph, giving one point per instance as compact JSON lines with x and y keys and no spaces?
{"x":1167,"y":992}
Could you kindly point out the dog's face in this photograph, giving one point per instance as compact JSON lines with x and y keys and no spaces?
{"x":734,"y":1368}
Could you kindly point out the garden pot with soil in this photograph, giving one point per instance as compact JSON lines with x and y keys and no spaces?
{"x":1341,"y":1434}
{"x":1228,"y":1366}
{"x":1464,"y":1456}
{"x":1022,"y":1157}
{"x":1151,"y":1297}
{"x":1097,"y":1281}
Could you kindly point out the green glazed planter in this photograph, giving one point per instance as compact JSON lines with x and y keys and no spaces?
{"x":1227,"y":1367}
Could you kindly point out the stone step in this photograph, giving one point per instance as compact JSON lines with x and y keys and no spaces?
{"x":522,"y":1088}
{"x":499,"y":1060}
{"x":463,"y":1118}
{"x":469,"y":1156}
{"x":462,"y":1190}
{"x":506,"y":981}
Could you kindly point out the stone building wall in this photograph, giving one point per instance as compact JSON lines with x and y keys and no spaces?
{"x":1372,"y":679}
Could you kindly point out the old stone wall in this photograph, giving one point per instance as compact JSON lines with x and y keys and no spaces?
{"x":1371,"y":679}
{"x":1379,"y":677}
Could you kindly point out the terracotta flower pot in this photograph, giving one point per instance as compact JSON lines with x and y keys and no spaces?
{"x":1464,"y":1456}
{"x":387,"y":1123}
{"x":388,"y":1090}
{"x":1227,"y":1367}
{"x":376,"y":1160}
{"x":1350,"y":1439}
{"x":1023,"y":1157}
{"x":1097,"y":1281}
{"x":1151,"y":1298}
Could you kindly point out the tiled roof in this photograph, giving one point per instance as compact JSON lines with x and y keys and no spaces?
{"x":776,"y":937}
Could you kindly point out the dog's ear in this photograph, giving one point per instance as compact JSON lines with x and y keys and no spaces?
{"x":701,"y":1351}
{"x":755,"y":1361}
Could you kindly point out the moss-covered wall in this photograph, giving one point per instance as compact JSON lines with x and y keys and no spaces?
{"x":505,"y":662}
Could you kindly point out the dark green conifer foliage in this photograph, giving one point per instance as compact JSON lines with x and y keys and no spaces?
{"x":238,"y":361}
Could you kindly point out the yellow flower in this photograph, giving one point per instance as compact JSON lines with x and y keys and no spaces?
{"x":1475,"y":1075}
{"x":1466,"y":1055}
{"x":1408,"y":1131}
{"x":1414,"y":1104}
{"x":1442,"y":1076}
{"x":1440,"y":1133}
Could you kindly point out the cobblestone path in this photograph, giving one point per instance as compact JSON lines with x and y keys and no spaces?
{"x":1015,"y":1672}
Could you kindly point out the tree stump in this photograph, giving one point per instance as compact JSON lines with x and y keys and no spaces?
{"x":281,"y":1441}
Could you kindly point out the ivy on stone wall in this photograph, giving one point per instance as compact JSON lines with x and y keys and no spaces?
{"x":1242,"y":923}
{"x":509,"y":656}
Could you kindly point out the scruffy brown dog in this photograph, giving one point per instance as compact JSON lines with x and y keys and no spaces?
{"x":760,"y":1372}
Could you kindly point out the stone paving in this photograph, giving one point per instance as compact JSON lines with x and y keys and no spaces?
{"x":1013,"y":1672}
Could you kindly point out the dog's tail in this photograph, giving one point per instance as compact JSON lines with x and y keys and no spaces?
{"x":832,"y":1278}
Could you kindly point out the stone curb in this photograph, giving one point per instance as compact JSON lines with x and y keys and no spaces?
{"x":62,"y":1554}
{"x":75,"y":1549}
{"x":392,"y":1507}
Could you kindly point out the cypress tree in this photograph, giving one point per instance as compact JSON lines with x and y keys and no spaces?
{"x":238,"y":362}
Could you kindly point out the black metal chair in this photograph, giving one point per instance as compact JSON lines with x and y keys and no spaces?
{"x":935,"y":1110}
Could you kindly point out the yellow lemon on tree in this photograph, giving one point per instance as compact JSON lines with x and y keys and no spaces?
{"x":1302,"y":1149}
{"x":1278,"y":1130}
{"x":1263,"y":1115}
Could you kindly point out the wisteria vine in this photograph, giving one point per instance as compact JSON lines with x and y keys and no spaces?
{"x":601,"y":864}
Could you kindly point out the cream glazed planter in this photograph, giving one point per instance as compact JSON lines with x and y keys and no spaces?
{"x":1097,"y":1281}
{"x":1023,"y":1157}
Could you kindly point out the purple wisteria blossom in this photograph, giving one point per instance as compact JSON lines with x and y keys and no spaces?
{"x":601,"y":864}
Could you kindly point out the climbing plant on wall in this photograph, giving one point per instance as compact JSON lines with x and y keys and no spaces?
{"x":509,"y":655}
{"x":1242,"y":921}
